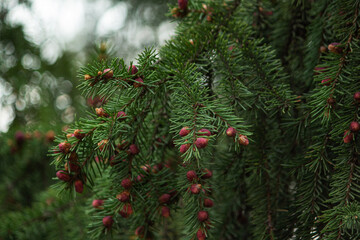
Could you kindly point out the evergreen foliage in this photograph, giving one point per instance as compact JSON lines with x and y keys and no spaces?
{"x":242,"y":109}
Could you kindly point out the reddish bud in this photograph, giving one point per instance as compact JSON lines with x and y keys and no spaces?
{"x":140,"y":178}
{"x":183,"y":4}
{"x":139,"y":231}
{"x":126,"y":183}
{"x":184,"y":131}
{"x":96,"y":101}
{"x":108,"y":221}
{"x":203,"y":216}
{"x":123,"y":197}
{"x":138,"y":82}
{"x":201,"y":142}
{"x":121,"y":114}
{"x":69,"y":135}
{"x":108,"y":73}
{"x":102,"y":144}
{"x":87,"y":77}
{"x":155,"y":169}
{"x":78,"y":134}
{"x":165,"y":211}
{"x":64,"y":147}
{"x":200,"y":235}
{"x":195,"y":188}
{"x":184,"y":147}
{"x":79,"y":186}
{"x":146,"y":168}
{"x":97,"y":203}
{"x":354,"y":126}
{"x":133,"y":69}
{"x":62,"y":175}
{"x":243,"y":140}
{"x":126,"y":211}
{"x":348,"y":137}
{"x":208,"y":174}
{"x":204,"y":132}
{"x":319,"y":70}
{"x":73,"y":156}
{"x":231,"y":132}
{"x":175,"y":12}
{"x":357,"y":97}
{"x":73,"y":167}
{"x":208,"y":203}
{"x":158,"y":167}
{"x":335,"y":48}
{"x":191,"y":175}
{"x":323,"y":49}
{"x":164,"y":198}
{"x":133,"y":149}
{"x":326,"y":82}
{"x":101,"y":112}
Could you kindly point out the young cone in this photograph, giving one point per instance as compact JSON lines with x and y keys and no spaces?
{"x":231,"y":132}
{"x":183,"y":4}
{"x":195,"y":188}
{"x":191,"y":175}
{"x":165,"y":211}
{"x":62,"y":175}
{"x":357,"y":97}
{"x":243,"y":140}
{"x":165,"y":198}
{"x":201,"y":142}
{"x":354,"y":127}
{"x":184,"y":147}
{"x":108,"y":221}
{"x":208,"y":203}
{"x":208,"y":174}
{"x":203,"y":216}
{"x":133,"y":149}
{"x":126,"y":211}
{"x":133,"y":69}
{"x":79,"y":186}
{"x":121,"y":115}
{"x":64,"y":147}
{"x":204,"y":132}
{"x":123,"y":197}
{"x":126,"y":183}
{"x":139,"y":231}
{"x":200,"y":235}
{"x":138,"y":82}
{"x":97,"y":203}
{"x":184,"y":131}
{"x":108,"y":73}
{"x":348,"y":137}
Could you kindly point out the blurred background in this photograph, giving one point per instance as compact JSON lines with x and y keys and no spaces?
{"x":43,"y":43}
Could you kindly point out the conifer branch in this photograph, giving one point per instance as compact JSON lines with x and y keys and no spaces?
{"x":347,"y":50}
